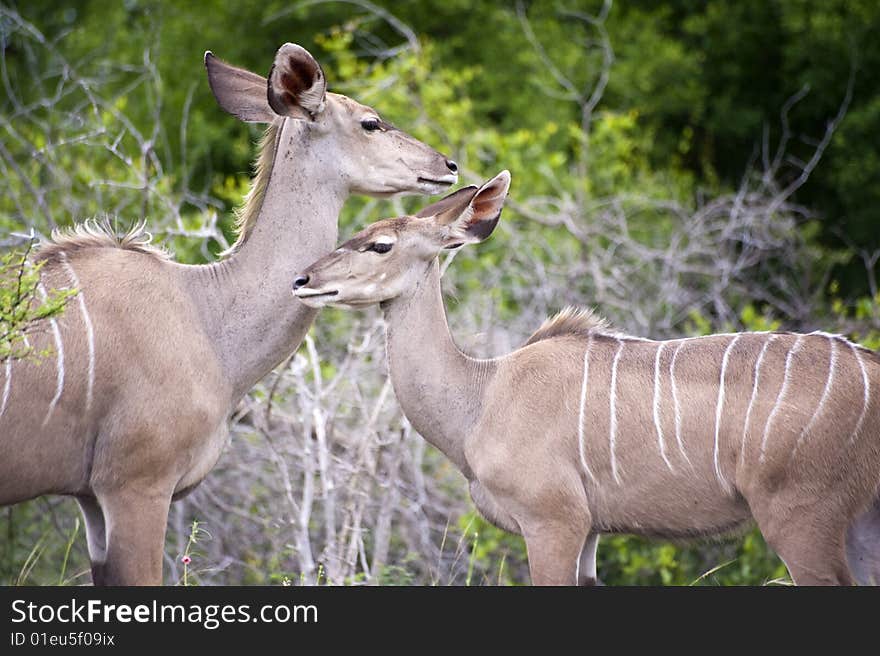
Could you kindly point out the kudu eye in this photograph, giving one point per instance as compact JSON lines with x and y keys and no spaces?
{"x":381,"y":247}
{"x":370,"y":124}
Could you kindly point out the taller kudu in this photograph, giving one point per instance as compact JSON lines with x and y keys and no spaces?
{"x":129,"y":411}
{"x":585,"y":431}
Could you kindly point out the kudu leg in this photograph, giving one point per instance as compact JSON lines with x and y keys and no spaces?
{"x":863,"y":546}
{"x":813,"y":557}
{"x":555,"y":550}
{"x":96,"y":536}
{"x":587,"y":565}
{"x":135,"y":525}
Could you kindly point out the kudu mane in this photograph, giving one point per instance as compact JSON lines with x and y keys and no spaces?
{"x":246,"y":214}
{"x":572,"y":321}
{"x":98,"y":233}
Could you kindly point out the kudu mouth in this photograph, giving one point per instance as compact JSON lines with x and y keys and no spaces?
{"x":439,"y":184}
{"x":433,"y":180}
{"x":307,"y":293}
{"x":311,"y":296}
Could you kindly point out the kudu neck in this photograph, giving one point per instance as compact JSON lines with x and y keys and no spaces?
{"x":440,"y":389}
{"x":246,"y":301}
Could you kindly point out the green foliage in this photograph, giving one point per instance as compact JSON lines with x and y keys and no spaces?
{"x":190,"y":553}
{"x":41,"y":543}
{"x":22,"y":310}
{"x":494,"y":557}
{"x":863,"y":312}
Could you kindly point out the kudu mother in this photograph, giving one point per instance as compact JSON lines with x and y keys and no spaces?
{"x":129,"y":412}
{"x":585,"y":431}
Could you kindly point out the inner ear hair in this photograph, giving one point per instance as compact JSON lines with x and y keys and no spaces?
{"x":296,"y":84}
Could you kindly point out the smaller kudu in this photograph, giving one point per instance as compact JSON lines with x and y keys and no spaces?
{"x":585,"y":431}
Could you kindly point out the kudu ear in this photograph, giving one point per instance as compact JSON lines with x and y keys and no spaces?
{"x":449,"y":207}
{"x":471,"y":216}
{"x":239,"y":92}
{"x":297,"y":86}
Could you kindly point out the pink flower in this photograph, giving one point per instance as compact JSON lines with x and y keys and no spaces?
{"x":186,"y":560}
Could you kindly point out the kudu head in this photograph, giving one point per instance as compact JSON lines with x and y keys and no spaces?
{"x":390,"y":257}
{"x":371,"y":156}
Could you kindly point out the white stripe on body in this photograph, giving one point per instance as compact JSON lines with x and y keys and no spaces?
{"x":832,"y":365}
{"x":675,"y":404}
{"x":90,"y":332}
{"x":7,"y":386}
{"x":656,"y":408}
{"x":581,"y":445}
{"x":59,"y":347}
{"x":866,"y":387}
{"x":754,"y":396}
{"x":612,"y":436}
{"x":780,"y":397}
{"x":719,"y":406}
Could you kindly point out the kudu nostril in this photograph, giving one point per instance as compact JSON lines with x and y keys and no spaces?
{"x":452,"y":166}
{"x":301,"y":281}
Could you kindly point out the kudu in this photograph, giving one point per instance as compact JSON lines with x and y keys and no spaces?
{"x":585,"y":431}
{"x":149,"y":358}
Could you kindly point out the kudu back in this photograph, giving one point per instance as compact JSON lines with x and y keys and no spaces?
{"x":129,"y":409}
{"x":586,"y":431}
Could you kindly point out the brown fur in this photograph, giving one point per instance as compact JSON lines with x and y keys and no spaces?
{"x":811,"y":504}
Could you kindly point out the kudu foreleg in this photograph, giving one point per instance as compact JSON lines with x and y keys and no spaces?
{"x":555,"y":549}
{"x":812,"y":549}
{"x":135,"y":523}
{"x":96,"y":535}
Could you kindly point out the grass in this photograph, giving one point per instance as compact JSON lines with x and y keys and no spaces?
{"x":70,"y":540}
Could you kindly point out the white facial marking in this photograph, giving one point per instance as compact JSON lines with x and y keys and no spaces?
{"x":754,"y":396}
{"x":660,"y":441}
{"x":866,"y":388}
{"x":786,"y":381}
{"x":675,"y":404}
{"x":59,"y":348}
{"x":581,"y":445}
{"x":612,"y":436}
{"x":719,"y":406}
{"x":832,"y":364}
{"x":90,"y":332}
